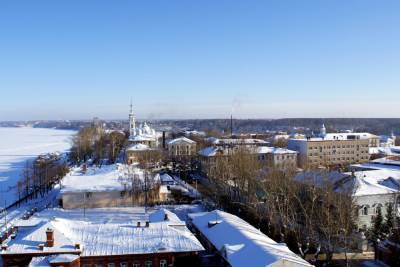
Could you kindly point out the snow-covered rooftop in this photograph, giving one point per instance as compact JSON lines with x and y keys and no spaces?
{"x":385,"y":150}
{"x":237,"y":141}
{"x":274,"y":150}
{"x":181,"y":140}
{"x":340,"y":136}
{"x":240,"y":243}
{"x":107,"y":178}
{"x":209,"y":151}
{"x":111,"y":231}
{"x":372,"y":182}
{"x":213,"y":151}
{"x":138,"y":147}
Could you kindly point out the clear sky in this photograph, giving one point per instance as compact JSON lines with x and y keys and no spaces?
{"x":76,"y":59}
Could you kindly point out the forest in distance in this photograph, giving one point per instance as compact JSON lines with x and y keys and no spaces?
{"x":379,"y":126}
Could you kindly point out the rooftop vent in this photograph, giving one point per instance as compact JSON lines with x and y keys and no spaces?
{"x":41,"y":247}
{"x":147,"y":223}
{"x":138,"y":224}
{"x":78,"y":246}
{"x":4,"y":247}
{"x":213,"y":223}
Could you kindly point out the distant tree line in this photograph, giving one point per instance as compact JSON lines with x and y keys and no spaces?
{"x":97,"y":145}
{"x":373,"y":125}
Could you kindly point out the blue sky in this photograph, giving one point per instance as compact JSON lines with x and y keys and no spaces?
{"x":199,"y":59}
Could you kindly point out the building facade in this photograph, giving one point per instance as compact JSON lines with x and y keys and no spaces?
{"x":181,"y":147}
{"x":339,"y":149}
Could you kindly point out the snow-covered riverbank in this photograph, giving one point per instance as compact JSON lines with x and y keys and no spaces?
{"x":17,"y":145}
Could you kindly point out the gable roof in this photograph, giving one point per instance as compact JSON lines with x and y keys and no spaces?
{"x":240,"y":243}
{"x":105,"y":232}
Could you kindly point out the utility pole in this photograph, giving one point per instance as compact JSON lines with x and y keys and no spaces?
{"x":145,"y":191}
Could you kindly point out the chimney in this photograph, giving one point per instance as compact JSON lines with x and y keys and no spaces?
{"x":4,"y":247}
{"x":147,"y":223}
{"x":77,"y":246}
{"x":49,"y":237}
{"x":165,"y":217}
{"x":163,"y":139}
{"x":231,"y":126}
{"x":138,"y":224}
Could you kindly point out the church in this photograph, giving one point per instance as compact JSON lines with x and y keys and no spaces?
{"x":142,"y":139}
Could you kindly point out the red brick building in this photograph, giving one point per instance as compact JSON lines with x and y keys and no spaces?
{"x":114,"y":237}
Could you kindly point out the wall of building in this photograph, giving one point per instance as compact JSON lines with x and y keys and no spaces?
{"x":181,"y":149}
{"x":74,"y":200}
{"x":372,"y":202}
{"x":330,"y":152}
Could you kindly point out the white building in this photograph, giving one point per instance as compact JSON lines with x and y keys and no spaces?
{"x":372,"y":190}
{"x":109,"y":186}
{"x":181,"y":146}
{"x":143,"y":134}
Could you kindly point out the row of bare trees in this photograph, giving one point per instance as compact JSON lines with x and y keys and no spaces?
{"x":309,"y":218}
{"x":39,"y":176}
{"x":96,"y":144}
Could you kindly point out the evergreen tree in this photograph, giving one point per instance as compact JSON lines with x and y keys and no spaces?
{"x":389,"y":219}
{"x":377,"y":229}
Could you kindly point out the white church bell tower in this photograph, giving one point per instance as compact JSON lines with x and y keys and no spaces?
{"x":132,"y":123}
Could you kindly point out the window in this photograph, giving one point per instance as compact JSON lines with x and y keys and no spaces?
{"x":98,"y":265}
{"x":111,"y":265}
{"x":163,"y":263}
{"x":148,"y":264}
{"x":124,"y":264}
{"x":378,"y":209}
{"x":86,"y":265}
{"x":136,"y":264}
{"x":365,"y":211}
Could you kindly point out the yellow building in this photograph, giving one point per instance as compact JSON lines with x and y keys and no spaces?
{"x":333,"y":149}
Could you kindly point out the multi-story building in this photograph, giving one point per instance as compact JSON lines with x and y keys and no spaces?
{"x":122,"y":237}
{"x":279,"y":158}
{"x":268,"y":157}
{"x":181,"y":147}
{"x":333,"y":149}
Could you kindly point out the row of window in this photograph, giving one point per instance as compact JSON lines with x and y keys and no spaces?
{"x":334,"y":153}
{"x":338,"y":146}
{"x":163,"y":263}
{"x":338,"y":159}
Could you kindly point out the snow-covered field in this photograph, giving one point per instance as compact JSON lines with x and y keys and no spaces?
{"x":17,"y":145}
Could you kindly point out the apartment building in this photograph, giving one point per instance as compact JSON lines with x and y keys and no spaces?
{"x":333,"y":149}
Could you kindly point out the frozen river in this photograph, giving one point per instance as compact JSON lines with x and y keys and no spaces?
{"x":20,"y":144}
